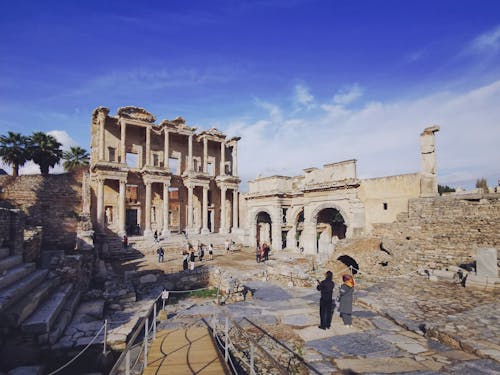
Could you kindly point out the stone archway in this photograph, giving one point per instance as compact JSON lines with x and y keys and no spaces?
{"x":330,"y":226}
{"x":263,"y":225}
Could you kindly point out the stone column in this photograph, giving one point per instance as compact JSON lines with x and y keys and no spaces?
{"x":102,"y":119}
{"x":190,"y":153}
{"x":222,"y":158}
{"x":147,"y":229}
{"x":123,"y":150}
{"x":190,"y":207}
{"x":276,"y":223}
{"x":223,"y":228}
{"x":235,"y":210}
{"x":204,"y":229}
{"x":205,"y":155}
{"x":100,"y":203}
{"x":166,"y":150}
{"x":121,"y":209}
{"x":165,"y":231}
{"x":148,"y":146}
{"x":428,"y":182}
{"x":235,"y":159}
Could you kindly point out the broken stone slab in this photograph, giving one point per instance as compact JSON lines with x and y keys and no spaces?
{"x":93,"y":309}
{"x":486,"y":262}
{"x":444,"y":275}
{"x":148,"y":279}
{"x":380,"y":365}
{"x":482,"y":281}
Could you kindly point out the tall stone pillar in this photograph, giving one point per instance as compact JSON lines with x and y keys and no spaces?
{"x":205,"y":155}
{"x":222,"y":158}
{"x":165,"y":231}
{"x":223,"y":228}
{"x":147,"y":229}
{"x":102,"y":119}
{"x":235,"y":210}
{"x":235,"y":159}
{"x":100,"y":203}
{"x":166,"y":150}
{"x":190,"y":153}
{"x":121,"y":209}
{"x":148,"y":146}
{"x":276,"y":223}
{"x":428,"y":181}
{"x":204,"y":229}
{"x":123,"y":134}
{"x":190,"y":207}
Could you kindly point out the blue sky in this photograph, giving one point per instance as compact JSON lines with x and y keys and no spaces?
{"x":304,"y":82}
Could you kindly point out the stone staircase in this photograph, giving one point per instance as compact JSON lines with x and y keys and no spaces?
{"x":32,"y":301}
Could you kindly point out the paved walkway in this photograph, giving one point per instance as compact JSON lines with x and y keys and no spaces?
{"x":184,"y":350}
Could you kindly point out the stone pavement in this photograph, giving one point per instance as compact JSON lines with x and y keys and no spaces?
{"x":375,"y":344}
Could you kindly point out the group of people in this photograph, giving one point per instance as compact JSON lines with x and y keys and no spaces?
{"x":262,"y":252}
{"x":327,"y":305}
{"x":189,"y":256}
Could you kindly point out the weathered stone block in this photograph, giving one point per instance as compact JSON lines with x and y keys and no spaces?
{"x":486,"y":262}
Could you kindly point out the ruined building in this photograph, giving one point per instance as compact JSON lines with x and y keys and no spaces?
{"x":165,"y":177}
{"x":313,"y":210}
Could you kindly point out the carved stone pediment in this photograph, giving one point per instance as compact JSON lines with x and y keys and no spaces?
{"x":177,"y":124}
{"x":99,"y":110}
{"x":136,"y":113}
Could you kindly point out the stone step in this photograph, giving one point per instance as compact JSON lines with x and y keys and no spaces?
{"x":63,"y":319}
{"x":16,"y":273}
{"x":42,"y":320}
{"x":4,"y":252}
{"x":15,"y":292}
{"x":10,"y":262}
{"x":18,"y":312}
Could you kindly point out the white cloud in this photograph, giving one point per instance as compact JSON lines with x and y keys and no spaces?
{"x":382,"y":136}
{"x":303,"y":98}
{"x":487,"y":41}
{"x":348,"y":95}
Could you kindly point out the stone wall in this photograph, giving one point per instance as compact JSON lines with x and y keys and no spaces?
{"x":11,"y":230}
{"x":53,"y":202}
{"x":443,"y":231}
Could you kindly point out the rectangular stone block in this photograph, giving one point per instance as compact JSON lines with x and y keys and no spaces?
{"x":486,"y":262}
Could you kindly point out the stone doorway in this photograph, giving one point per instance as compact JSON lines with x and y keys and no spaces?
{"x":263,"y":228}
{"x":330,"y":227}
{"x":131,"y":225}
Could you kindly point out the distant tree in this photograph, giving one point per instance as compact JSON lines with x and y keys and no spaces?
{"x":75,"y":157}
{"x":482,"y":184}
{"x":445,"y":189}
{"x":45,"y":151}
{"x":13,"y":150}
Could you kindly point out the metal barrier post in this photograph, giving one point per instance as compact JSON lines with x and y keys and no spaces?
{"x":154,"y":321}
{"x":146,"y":329}
{"x":127,"y":363}
{"x":213,"y":325}
{"x":252,"y":369}
{"x":105,"y":336}
{"x":226,"y":344}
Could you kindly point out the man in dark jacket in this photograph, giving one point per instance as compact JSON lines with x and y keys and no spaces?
{"x":326,"y":303}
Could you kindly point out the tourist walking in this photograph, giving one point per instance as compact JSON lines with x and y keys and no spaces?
{"x":191,"y":259}
{"x":326,"y":303}
{"x":155,"y":236}
{"x":211,"y":252}
{"x":267,"y":249}
{"x":160,"y":253}
{"x":201,"y":252}
{"x":125,"y":241}
{"x":345,"y":299}
{"x":257,"y":253}
{"x":227,"y":245}
{"x":185,"y":257}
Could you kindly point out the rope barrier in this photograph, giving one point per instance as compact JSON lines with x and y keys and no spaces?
{"x":79,"y":354}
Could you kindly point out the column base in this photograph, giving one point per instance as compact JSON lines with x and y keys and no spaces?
{"x":192,"y":231}
{"x":148,"y":233}
{"x":224,"y":231}
{"x":165,"y":232}
{"x":205,"y":231}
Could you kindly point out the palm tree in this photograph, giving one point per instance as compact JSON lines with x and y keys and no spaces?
{"x":45,"y":151}
{"x":13,"y":150}
{"x":75,"y":157}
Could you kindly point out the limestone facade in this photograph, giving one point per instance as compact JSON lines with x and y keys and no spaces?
{"x":312,"y":211}
{"x":166,"y":177}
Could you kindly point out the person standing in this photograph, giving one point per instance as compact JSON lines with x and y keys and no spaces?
{"x":326,"y":303}
{"x":125,"y":241}
{"x":211,"y":252}
{"x":191,"y":259}
{"x":345,"y":299}
{"x":185,"y":257}
{"x":161,"y":254}
{"x":227,"y":245}
{"x":155,"y":235}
